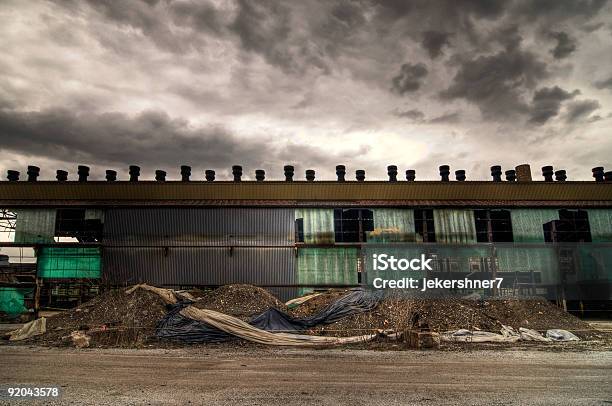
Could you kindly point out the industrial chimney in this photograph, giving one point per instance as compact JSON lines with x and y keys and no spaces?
{"x":523,"y":173}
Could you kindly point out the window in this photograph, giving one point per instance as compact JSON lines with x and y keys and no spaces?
{"x":572,"y":226}
{"x":493,"y":226}
{"x":352,"y":225}
{"x":72,"y":223}
{"x":299,"y":230}
{"x":424,"y":225}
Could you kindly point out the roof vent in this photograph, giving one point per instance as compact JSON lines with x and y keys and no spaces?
{"x":460,"y":175}
{"x":360,"y":175}
{"x":160,"y":175}
{"x":210,"y":175}
{"x":392,"y":172}
{"x":237,"y":172}
{"x":444,"y":172}
{"x":289,"y":169}
{"x":496,"y":173}
{"x":310,"y":175}
{"x":61,"y":176}
{"x":560,"y":175}
{"x":410,"y":175}
{"x":340,"y":172}
{"x":111,"y":175}
{"x":260,"y":175}
{"x":547,"y":172}
{"x":134,"y":173}
{"x":83,"y":172}
{"x":12,"y":176}
{"x":33,"y":172}
{"x":185,"y":173}
{"x":511,"y":175}
{"x":598,"y":174}
{"x":608,"y":176}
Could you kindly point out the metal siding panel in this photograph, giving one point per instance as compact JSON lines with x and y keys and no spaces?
{"x":323,"y":266}
{"x":35,"y":225}
{"x":199,"y":266}
{"x":527,"y":224}
{"x":198,"y":226}
{"x":318,"y":225}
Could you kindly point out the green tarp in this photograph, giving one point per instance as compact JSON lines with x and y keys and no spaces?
{"x":318,"y":225}
{"x":528,"y":224}
{"x":455,"y":226}
{"x":392,"y":225}
{"x":35,"y":225}
{"x":69,"y":262}
{"x":12,"y":301}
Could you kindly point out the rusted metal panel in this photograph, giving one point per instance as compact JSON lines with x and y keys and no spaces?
{"x":199,"y":227}
{"x":211,"y":266}
{"x":11,"y":192}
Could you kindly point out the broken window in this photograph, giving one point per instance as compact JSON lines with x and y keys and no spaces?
{"x":81,"y":224}
{"x":352,"y":225}
{"x":299,"y":230}
{"x":493,"y":226}
{"x":572,"y":226}
{"x":424,"y":225}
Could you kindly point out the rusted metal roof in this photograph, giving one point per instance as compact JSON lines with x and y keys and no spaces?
{"x":299,"y":193}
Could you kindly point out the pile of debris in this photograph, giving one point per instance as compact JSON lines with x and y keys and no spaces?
{"x":242,"y":301}
{"x":113,"y":318}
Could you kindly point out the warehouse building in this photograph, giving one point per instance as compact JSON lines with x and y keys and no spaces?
{"x":549,"y":236}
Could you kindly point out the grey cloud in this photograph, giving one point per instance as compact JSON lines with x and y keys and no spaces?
{"x":151,"y":139}
{"x":559,"y":10}
{"x":580,"y":109}
{"x":409,"y":79}
{"x":566,"y":45}
{"x":496,"y":83}
{"x":546,"y":103}
{"x":418,"y":116}
{"x":604,"y":84}
{"x":434,"y":41}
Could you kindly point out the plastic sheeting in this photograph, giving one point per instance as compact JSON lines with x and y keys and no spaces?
{"x":188,"y":324}
{"x":35,"y":225}
{"x":12,"y":301}
{"x":318,"y":225}
{"x":600,"y":221}
{"x":392,"y":225}
{"x":528,"y":224}
{"x":455,"y":226}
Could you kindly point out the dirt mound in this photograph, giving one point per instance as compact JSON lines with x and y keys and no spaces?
{"x":243,"y":301}
{"x":113,"y":318}
{"x":318,"y":303}
{"x":447,"y":314}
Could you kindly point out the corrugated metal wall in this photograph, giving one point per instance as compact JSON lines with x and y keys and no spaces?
{"x":527,"y":224}
{"x":35,"y":225}
{"x":199,"y":226}
{"x":537,"y":259}
{"x":392,"y":225}
{"x":600,"y":221}
{"x":455,"y":226}
{"x":199,"y":266}
{"x":318,"y":225}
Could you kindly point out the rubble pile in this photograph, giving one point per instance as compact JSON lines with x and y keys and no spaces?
{"x":242,"y":301}
{"x":113,"y":318}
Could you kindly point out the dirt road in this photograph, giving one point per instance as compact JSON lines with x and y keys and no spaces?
{"x":296,"y":377}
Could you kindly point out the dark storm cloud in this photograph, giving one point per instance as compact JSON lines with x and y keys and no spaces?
{"x":151,"y":139}
{"x":409,"y":79}
{"x":496,"y":83}
{"x":559,"y":10}
{"x":434,"y":41}
{"x":566,"y":45}
{"x":580,"y":109}
{"x":604,"y":84}
{"x":547,"y":102}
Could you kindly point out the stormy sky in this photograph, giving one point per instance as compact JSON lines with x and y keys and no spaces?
{"x":417,"y":84}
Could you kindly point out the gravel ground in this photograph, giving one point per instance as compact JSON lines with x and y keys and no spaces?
{"x":259,"y":376}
